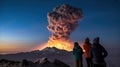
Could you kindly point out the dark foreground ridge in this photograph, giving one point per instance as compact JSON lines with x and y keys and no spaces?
{"x":53,"y":53}
{"x":48,"y":57}
{"x":43,"y":62}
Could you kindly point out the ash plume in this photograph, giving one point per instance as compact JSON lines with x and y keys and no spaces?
{"x":62,"y":21}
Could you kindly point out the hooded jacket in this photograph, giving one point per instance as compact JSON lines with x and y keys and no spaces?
{"x":98,"y":53}
{"x":77,"y":52}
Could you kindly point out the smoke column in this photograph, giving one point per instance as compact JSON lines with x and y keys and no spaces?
{"x":62,"y":21}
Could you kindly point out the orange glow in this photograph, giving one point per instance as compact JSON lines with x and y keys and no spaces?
{"x":42,"y":46}
{"x":61,"y":44}
{"x":13,"y":47}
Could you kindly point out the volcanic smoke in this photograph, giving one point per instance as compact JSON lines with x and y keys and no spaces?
{"x":62,"y":21}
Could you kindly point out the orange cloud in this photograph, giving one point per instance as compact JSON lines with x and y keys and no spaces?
{"x":10,"y":47}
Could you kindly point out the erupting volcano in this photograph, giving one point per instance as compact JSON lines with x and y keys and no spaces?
{"x":62,"y":21}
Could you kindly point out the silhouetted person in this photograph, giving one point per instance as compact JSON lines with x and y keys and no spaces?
{"x":98,"y":53}
{"x":87,"y":47}
{"x":77,"y":52}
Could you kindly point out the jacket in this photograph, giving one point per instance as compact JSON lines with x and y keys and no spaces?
{"x":77,"y":52}
{"x":87,"y":47}
{"x":98,"y":53}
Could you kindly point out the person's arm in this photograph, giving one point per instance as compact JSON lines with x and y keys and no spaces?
{"x":105,"y":53}
{"x":82,"y":51}
{"x":91,"y":54}
{"x":84,"y":48}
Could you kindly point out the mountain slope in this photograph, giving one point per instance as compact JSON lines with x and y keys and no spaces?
{"x":50,"y":53}
{"x":53,"y":53}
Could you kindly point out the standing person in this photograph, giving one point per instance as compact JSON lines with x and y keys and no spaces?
{"x":98,"y":53}
{"x":87,"y":47}
{"x":77,"y":52}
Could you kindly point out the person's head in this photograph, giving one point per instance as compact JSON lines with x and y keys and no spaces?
{"x":87,"y":40}
{"x":96,"y":40}
{"x":76,"y":44}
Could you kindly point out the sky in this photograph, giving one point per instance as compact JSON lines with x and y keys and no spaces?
{"x":23,"y":23}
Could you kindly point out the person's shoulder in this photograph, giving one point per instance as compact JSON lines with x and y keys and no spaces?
{"x":101,"y":46}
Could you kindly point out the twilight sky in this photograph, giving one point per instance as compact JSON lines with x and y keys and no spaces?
{"x":23,"y":22}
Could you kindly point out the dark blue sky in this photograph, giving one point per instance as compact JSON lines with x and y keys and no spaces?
{"x":26,"y":20}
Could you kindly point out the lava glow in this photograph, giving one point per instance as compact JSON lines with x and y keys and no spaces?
{"x":60,"y":44}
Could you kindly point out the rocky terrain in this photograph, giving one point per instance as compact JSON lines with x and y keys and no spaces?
{"x":52,"y":54}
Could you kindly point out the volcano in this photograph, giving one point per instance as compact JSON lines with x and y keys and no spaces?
{"x":62,"y":21}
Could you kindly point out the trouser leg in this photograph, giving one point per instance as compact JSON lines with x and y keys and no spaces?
{"x":89,"y":62}
{"x":103,"y":64}
{"x":76,"y":63}
{"x":80,"y":63}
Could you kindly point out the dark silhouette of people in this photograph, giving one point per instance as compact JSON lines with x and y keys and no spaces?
{"x":77,"y":52}
{"x":87,"y":47}
{"x":98,"y":53}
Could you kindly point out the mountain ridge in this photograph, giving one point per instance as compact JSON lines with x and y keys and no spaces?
{"x":51,"y":53}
